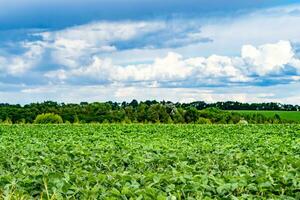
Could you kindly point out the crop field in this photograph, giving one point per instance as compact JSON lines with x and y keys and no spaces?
{"x":287,"y":115}
{"x":150,"y":161}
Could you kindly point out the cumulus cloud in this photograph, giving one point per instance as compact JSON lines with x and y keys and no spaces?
{"x":268,"y":58}
{"x":170,"y":68}
{"x":254,"y":64}
{"x":75,"y":46}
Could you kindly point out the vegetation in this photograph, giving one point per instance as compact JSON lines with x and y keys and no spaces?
{"x":149,"y":112}
{"x":150,"y":162}
{"x":285,"y":115}
{"x":48,"y":118}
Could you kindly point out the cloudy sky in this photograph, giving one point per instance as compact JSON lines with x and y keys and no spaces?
{"x":100,"y":50}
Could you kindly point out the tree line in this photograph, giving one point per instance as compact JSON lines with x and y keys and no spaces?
{"x":145,"y":112}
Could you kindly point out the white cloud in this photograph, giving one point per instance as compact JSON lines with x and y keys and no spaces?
{"x":89,"y":54}
{"x":58,"y":74}
{"x":217,"y":67}
{"x":228,"y":34}
{"x":19,"y":64}
{"x":268,"y":58}
{"x":296,"y":64}
{"x":170,"y":68}
{"x":69,"y":93}
{"x":173,"y":68}
{"x":75,"y":46}
{"x":103,"y":32}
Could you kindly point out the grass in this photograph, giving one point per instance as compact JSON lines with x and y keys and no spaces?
{"x":288,"y":115}
{"x":150,"y":162}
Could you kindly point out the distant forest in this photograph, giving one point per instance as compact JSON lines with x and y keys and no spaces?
{"x":145,"y":112}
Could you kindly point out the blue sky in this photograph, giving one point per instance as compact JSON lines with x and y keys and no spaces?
{"x":212,"y":50}
{"x":57,"y":14}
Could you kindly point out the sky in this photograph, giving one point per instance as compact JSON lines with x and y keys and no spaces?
{"x":117,"y":50}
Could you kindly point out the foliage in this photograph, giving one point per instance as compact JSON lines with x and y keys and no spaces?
{"x":151,"y":112}
{"x":202,"y":120}
{"x":243,"y":122}
{"x":48,"y":118}
{"x":150,"y":162}
{"x":76,"y":120}
{"x":7,"y":121}
{"x":277,"y":115}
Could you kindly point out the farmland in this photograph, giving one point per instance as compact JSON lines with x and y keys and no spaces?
{"x":286,"y":115}
{"x":150,"y":161}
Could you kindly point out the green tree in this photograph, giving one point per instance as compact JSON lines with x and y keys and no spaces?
{"x":153,"y":113}
{"x":76,"y":120}
{"x":177,"y":117}
{"x":202,"y":120}
{"x":142,"y":112}
{"x":191,"y":115}
{"x":48,"y":118}
{"x":7,"y":121}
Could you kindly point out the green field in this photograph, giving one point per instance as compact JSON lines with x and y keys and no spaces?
{"x":150,"y":162}
{"x":287,"y":115}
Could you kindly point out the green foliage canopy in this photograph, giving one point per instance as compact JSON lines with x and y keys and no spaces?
{"x":48,"y":118}
{"x":149,"y":112}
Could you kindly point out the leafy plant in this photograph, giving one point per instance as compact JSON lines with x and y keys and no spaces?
{"x":155,"y":161}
